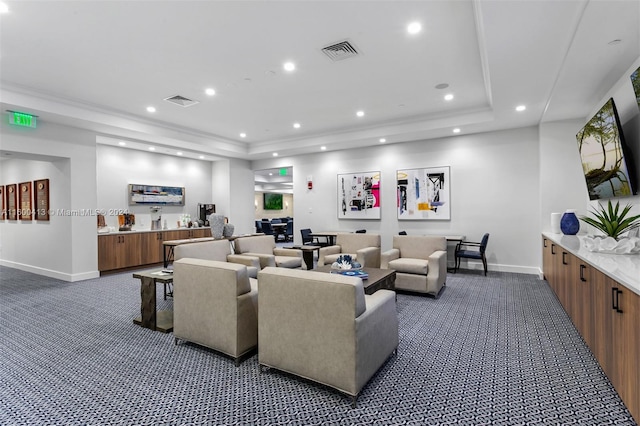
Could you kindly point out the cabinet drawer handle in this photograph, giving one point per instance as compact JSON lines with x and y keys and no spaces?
{"x":613,"y":298}
{"x":582,"y":278}
{"x":618,"y":293}
{"x":544,"y":242}
{"x":564,"y":261}
{"x":553,"y":249}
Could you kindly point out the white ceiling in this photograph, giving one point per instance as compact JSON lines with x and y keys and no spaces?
{"x":99,"y":64}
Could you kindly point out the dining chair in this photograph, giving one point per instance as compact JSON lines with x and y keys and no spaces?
{"x":474,"y":250}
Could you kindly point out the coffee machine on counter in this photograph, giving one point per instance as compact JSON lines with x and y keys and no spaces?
{"x":156,"y":217}
{"x":204,"y":211}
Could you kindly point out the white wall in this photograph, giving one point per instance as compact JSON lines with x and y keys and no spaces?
{"x":233,"y":193}
{"x":119,"y":167}
{"x":66,"y":246}
{"x":561,"y":176}
{"x":494,"y":188}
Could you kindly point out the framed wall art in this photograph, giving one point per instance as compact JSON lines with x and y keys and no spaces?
{"x":12,"y":201}
{"x":156,"y":195}
{"x":41,"y":199}
{"x":423,"y":194}
{"x":3,"y":212}
{"x":359,"y":195}
{"x":25,"y":211}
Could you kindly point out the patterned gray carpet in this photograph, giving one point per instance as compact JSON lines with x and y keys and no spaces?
{"x":495,"y":350}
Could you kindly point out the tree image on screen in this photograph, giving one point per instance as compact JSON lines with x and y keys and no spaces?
{"x":601,"y":151}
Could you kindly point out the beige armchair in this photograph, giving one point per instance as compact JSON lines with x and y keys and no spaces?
{"x":420,"y":263}
{"x":215,"y":304}
{"x":324,"y":328}
{"x":219,"y":250}
{"x":264,"y":248}
{"x":365,"y":248}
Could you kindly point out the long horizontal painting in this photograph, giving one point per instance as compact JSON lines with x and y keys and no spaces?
{"x":423,"y":194}
{"x":153,"y":194}
{"x":359,"y":195}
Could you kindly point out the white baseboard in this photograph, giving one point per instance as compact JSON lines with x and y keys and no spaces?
{"x":51,"y":273}
{"x":530,"y":270}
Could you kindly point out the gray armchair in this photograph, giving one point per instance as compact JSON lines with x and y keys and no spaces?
{"x":215,"y":304}
{"x":365,"y":248}
{"x":219,"y":250}
{"x":420,"y":263}
{"x":264,"y":248}
{"x":324,"y":328}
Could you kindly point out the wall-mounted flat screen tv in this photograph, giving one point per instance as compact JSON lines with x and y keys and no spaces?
{"x":635,"y":82}
{"x":272,"y":201}
{"x":152,"y":194}
{"x":606,"y":161}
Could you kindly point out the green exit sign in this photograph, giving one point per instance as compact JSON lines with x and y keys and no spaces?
{"x":22,"y":119}
{"x":283,"y":172}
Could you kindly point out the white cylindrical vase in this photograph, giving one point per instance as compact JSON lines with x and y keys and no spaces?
{"x":555,"y":222}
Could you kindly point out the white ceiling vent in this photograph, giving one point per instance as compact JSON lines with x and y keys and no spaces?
{"x":340,"y":51}
{"x":181,"y":100}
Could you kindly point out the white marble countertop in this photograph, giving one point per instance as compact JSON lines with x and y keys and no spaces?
{"x":106,"y":231}
{"x":624,"y":268}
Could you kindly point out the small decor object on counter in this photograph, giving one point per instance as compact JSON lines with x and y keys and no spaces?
{"x":345,"y":262}
{"x":228,"y":229}
{"x":569,"y":224}
{"x":555,"y":222}
{"x":217,"y":225}
{"x":611,"y":221}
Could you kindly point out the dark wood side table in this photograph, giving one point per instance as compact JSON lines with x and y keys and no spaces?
{"x":149,"y":317}
{"x":378,"y":278}
{"x":307,"y":254}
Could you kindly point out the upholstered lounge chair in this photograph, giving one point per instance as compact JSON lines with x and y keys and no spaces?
{"x":324,"y":328}
{"x":264,"y":248}
{"x":219,"y":250}
{"x":215,"y":304}
{"x":365,"y":248}
{"x":420,"y":263}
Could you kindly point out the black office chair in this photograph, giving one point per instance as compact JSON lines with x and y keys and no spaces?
{"x":276,"y":220}
{"x":361,"y":231}
{"x":477,"y":252}
{"x":266,"y":228}
{"x":402,"y":233}
{"x":258,"y":226}
{"x":288,"y":236}
{"x":311,"y":241}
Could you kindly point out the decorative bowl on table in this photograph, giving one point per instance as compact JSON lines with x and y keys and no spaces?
{"x":346,"y":262}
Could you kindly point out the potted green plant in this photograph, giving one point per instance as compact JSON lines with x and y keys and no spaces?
{"x":612,"y":221}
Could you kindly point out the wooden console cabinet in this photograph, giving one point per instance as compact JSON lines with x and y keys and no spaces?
{"x":605,"y":312}
{"x":138,"y":248}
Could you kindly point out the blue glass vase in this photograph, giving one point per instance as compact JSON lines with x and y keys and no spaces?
{"x":569,"y":224}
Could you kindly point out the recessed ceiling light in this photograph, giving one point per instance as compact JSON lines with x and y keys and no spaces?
{"x":414,"y":28}
{"x":448,"y":97}
{"x":201,"y":157}
{"x":456,"y":130}
{"x":151,"y":109}
{"x":4,"y":8}
{"x":382,"y":140}
{"x":243,"y":135}
{"x":121,"y":143}
{"x":323,"y":148}
{"x":520,"y":108}
{"x":360,"y":113}
{"x":179,"y":153}
{"x":151,"y":148}
{"x":209,"y":91}
{"x":289,"y":66}
{"x":296,"y":125}
{"x":270,"y":174}
{"x":275,"y":154}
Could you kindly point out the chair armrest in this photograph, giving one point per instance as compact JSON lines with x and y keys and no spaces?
{"x":265,"y":259}
{"x":377,"y":330}
{"x":469,"y":244}
{"x":388,"y":256}
{"x":245,"y":260}
{"x":327,"y":250}
{"x":438,"y":263}
{"x":369,"y":257}
{"x":287,"y":252}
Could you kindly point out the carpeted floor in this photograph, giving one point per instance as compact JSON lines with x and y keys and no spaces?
{"x":496,"y":350}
